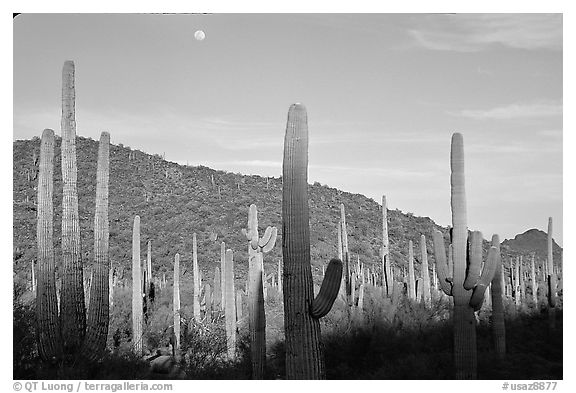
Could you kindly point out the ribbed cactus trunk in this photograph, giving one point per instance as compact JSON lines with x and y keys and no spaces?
{"x":197,"y":281}
{"x":48,"y":325}
{"x":150,"y":277}
{"x":342,"y":290}
{"x":256,"y":315}
{"x":222,"y":270}
{"x":534,"y":282}
{"x":345,"y":251}
{"x":217,"y":293}
{"x":517,"y":292}
{"x":230,"y":305}
{"x":386,"y":268}
{"x":72,"y":308}
{"x":304,"y":358}
{"x":464,"y":321}
{"x":99,"y":309}
{"x":136,"y":289}
{"x":551,"y":280}
{"x":238,"y":305}
{"x":111,"y":285}
{"x":498,"y":326}
{"x":33,"y":279}
{"x":176,"y":302}
{"x":411,"y":278}
{"x":425,"y":274}
{"x":208,"y":294}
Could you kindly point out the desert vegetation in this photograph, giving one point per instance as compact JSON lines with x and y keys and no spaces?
{"x":329,"y":285}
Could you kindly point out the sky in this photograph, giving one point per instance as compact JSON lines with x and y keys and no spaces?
{"x":384,"y":93}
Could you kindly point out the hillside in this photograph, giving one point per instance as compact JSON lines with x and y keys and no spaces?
{"x":174,"y":201}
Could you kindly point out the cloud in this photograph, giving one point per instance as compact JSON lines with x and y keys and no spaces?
{"x":477,"y":32}
{"x":513,"y":111}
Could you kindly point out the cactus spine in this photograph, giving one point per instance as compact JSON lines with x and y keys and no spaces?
{"x":176,"y":302}
{"x":136,"y":289}
{"x":498,"y":326}
{"x":197,"y":280}
{"x":466,"y":286}
{"x":411,"y":280}
{"x":425,"y":274}
{"x":72,"y":309}
{"x":48,"y":330}
{"x":99,"y":310}
{"x":256,"y":317}
{"x":304,"y":357}
{"x":230,"y":306}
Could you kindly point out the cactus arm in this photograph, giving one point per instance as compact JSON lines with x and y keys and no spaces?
{"x":271,"y":242}
{"x":323,"y":302}
{"x":473,"y":274}
{"x":266,"y":237}
{"x":442,"y":265}
{"x":487,"y":275}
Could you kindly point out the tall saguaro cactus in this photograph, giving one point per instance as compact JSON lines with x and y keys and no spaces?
{"x":411,"y":278}
{"x":534,"y":283}
{"x":176,"y":302}
{"x":230,"y":305}
{"x":425,"y":274}
{"x":551,"y":280}
{"x":464,"y":283}
{"x":48,"y":330}
{"x":345,"y":254}
{"x":136,"y":289}
{"x":222,"y":270}
{"x":498,"y":326}
{"x":99,"y":309}
{"x":257,"y":247}
{"x":72,"y":308}
{"x":304,"y":357}
{"x":387,"y":282}
{"x":197,"y":281}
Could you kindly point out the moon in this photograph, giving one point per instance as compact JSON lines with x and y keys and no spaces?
{"x":199,"y":35}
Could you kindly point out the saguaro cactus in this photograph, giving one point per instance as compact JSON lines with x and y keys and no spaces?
{"x":551,"y":280}
{"x":304,"y":357}
{"x":176,"y":301}
{"x":257,"y":247}
{"x":222,"y":270}
{"x":72,"y":308}
{"x":387,"y":280}
{"x":99,"y":309}
{"x":498,"y":326}
{"x":534,"y":283}
{"x":411,"y":278}
{"x":136,"y":289}
{"x":345,"y":254}
{"x":197,"y":281}
{"x":217,"y":293}
{"x":230,"y":305}
{"x":48,"y":328}
{"x":425,"y":274}
{"x":464,"y":283}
